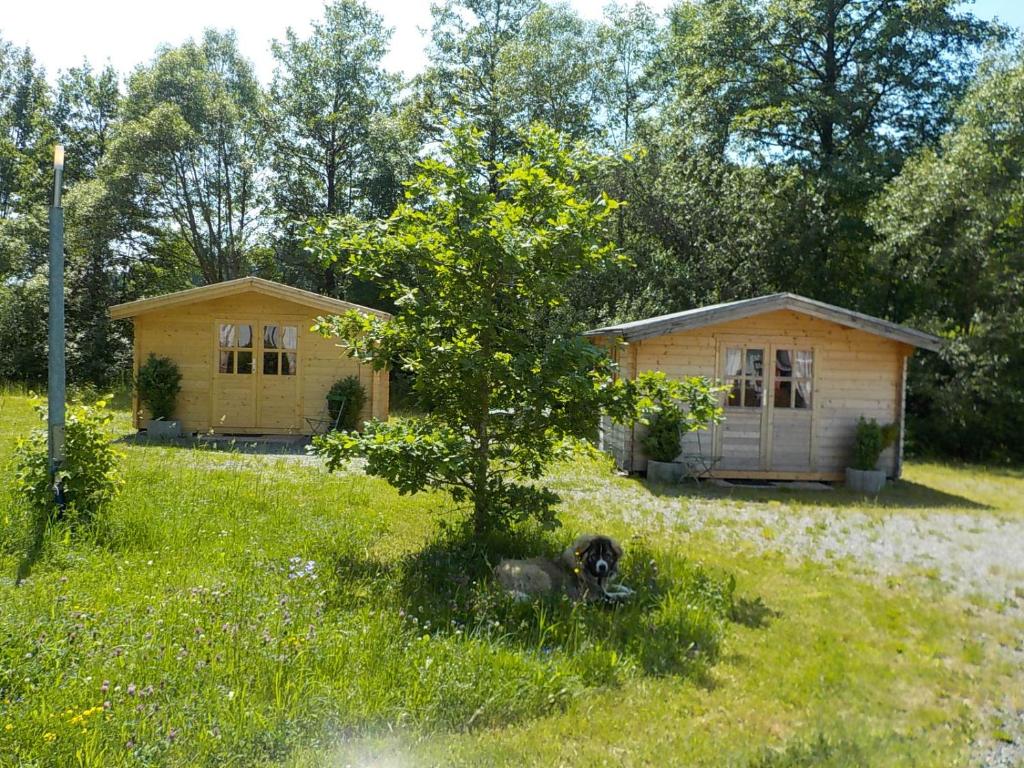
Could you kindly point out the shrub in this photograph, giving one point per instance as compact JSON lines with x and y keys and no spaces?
{"x":349,"y":394}
{"x":871,"y":439}
{"x":158,"y":384}
{"x":89,"y":474}
{"x":661,"y":442}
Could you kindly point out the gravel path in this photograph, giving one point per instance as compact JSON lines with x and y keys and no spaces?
{"x":974,"y":555}
{"x":971,"y":554}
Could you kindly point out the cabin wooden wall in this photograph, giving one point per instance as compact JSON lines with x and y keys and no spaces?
{"x":186,"y":334}
{"x":855,"y":374}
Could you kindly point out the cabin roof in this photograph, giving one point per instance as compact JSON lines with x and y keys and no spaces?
{"x":715,"y":314}
{"x":241,"y":285}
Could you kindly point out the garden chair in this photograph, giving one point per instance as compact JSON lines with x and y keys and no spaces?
{"x":697,"y":466}
{"x":325,"y":424}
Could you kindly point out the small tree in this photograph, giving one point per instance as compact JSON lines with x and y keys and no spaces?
{"x":477,"y":259}
{"x":158,"y":384}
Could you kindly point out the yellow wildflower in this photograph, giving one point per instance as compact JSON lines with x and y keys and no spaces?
{"x":49,"y":737}
{"x":9,"y":727}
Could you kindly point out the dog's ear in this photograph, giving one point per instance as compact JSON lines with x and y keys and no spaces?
{"x":582,"y":543}
{"x":616,"y":548}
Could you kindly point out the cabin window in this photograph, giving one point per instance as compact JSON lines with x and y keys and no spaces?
{"x":793,"y":374}
{"x":234,"y":346}
{"x":744,"y":372}
{"x":279,"y":350}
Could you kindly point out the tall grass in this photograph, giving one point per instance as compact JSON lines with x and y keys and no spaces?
{"x":228,"y":608}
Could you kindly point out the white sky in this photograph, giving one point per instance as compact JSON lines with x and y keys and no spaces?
{"x":62,"y":33}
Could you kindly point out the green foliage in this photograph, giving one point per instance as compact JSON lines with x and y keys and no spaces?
{"x":477,"y":260}
{"x":349,"y":394}
{"x":90,"y":474}
{"x":952,"y":241}
{"x":23,"y":312}
{"x":158,"y":384}
{"x":662,"y":441}
{"x":672,"y":408}
{"x":337,"y":148}
{"x":189,"y":152}
{"x":869,"y":442}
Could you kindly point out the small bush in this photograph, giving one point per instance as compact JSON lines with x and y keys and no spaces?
{"x":158,"y":384}
{"x":89,"y":474}
{"x":349,"y":394}
{"x":662,"y":441}
{"x":871,"y":439}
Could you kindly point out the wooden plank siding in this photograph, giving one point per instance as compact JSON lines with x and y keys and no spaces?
{"x":855,"y":373}
{"x":188,"y":335}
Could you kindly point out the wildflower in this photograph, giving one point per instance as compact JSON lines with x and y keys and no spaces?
{"x":49,"y":737}
{"x":9,"y":727}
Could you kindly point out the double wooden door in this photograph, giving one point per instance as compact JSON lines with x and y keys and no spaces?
{"x":769,"y":410}
{"x":256,"y":376}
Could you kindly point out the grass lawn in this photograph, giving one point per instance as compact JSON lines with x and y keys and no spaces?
{"x":245,"y":610}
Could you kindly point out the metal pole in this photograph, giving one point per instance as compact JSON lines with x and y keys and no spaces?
{"x":55,"y":391}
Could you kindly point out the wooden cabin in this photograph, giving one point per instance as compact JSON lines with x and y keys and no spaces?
{"x":799,"y":372}
{"x":249,"y":362}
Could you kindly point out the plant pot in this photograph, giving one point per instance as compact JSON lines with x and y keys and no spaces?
{"x":163,"y":428}
{"x":667,"y":472}
{"x":865,"y":480}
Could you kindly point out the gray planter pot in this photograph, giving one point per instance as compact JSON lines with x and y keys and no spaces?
{"x":667,"y":472}
{"x":163,"y":429}
{"x":865,"y":480}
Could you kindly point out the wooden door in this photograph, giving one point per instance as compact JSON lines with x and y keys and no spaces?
{"x":234,"y":376}
{"x":278,"y":380}
{"x":790,"y":414}
{"x":741,"y":437}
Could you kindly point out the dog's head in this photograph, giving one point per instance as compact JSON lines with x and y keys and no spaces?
{"x":597,"y":556}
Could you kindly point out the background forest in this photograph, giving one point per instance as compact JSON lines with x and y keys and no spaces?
{"x":866,"y":153}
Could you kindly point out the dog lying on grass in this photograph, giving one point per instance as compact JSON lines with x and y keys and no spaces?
{"x":584,"y":571}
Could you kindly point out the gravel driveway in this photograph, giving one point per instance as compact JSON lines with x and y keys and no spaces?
{"x":976,"y":555}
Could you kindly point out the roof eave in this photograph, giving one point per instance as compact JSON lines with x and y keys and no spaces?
{"x":229,"y":287}
{"x":773,"y":302}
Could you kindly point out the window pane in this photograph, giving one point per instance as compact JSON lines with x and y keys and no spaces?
{"x":783,"y":393}
{"x":733,"y":358}
{"x":803,"y":394}
{"x":244,"y":362}
{"x":804,"y":363}
{"x":783,"y":362}
{"x":291,"y":335}
{"x":271,"y":334}
{"x":245,"y":336}
{"x":270,"y":363}
{"x":752,"y":393}
{"x":227,"y":335}
{"x":734,"y":393}
{"x":288,"y":363}
{"x":226,"y":361}
{"x":755,"y":362}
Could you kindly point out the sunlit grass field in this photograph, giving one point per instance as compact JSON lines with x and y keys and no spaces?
{"x":247,"y":610}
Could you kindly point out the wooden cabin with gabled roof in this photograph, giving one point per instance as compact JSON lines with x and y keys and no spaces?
{"x":249,"y":362}
{"x":800,"y":373}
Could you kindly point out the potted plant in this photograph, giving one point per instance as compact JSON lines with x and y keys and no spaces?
{"x":345,"y":401}
{"x":869,"y":442}
{"x":662,"y":446}
{"x":158,"y":384}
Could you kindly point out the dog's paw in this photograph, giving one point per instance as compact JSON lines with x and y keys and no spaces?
{"x":618,"y":593}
